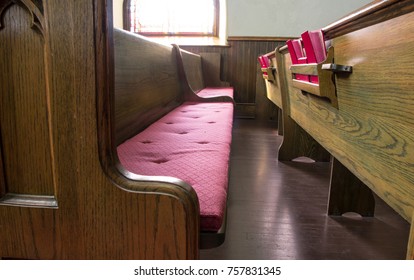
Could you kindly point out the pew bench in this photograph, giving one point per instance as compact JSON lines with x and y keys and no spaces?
{"x":361,"y":111}
{"x":65,"y":188}
{"x":192,"y":143}
{"x":187,"y":135}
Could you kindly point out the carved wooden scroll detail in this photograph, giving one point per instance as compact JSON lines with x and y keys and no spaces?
{"x":27,"y":161}
{"x":34,"y":7}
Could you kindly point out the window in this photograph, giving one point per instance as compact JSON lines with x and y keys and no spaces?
{"x":172,"y":17}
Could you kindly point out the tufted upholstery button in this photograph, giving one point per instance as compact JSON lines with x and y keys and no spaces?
{"x":161,"y":160}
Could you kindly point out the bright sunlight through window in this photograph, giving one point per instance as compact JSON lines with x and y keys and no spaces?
{"x":178,"y":17}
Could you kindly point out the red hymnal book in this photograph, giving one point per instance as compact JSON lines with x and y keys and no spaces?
{"x":297,"y":56}
{"x":315,"y":48}
{"x":260,"y":59}
{"x":264,"y":62}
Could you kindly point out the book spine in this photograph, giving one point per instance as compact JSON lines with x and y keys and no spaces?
{"x":297,"y":56}
{"x":310,"y":53}
{"x":314,"y":44}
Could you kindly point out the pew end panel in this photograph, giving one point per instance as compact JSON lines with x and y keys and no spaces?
{"x":203,"y":70}
{"x":193,"y":68}
{"x":272,"y":80}
{"x":297,"y":142}
{"x":100,"y":211}
{"x":200,"y":74}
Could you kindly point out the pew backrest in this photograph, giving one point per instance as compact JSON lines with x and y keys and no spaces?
{"x":193,"y":69}
{"x":147,"y":83}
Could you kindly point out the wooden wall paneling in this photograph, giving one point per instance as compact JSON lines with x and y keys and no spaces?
{"x":243,"y":65}
{"x":211,"y":65}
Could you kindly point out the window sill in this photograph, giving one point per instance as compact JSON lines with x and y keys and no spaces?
{"x":190,"y":41}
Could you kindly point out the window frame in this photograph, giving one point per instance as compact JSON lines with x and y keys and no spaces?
{"x":216,"y":24}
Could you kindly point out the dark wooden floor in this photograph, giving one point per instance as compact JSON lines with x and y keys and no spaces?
{"x":277,"y":210}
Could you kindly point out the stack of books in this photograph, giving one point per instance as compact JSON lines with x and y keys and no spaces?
{"x":264,"y":64}
{"x":264,"y":61}
{"x":309,"y":49}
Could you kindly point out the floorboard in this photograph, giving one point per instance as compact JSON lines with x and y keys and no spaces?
{"x":277,"y":210}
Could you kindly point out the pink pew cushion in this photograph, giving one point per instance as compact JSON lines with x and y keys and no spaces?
{"x":216,"y":91}
{"x":191,"y":143}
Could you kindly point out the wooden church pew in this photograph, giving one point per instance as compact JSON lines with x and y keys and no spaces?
{"x":203,"y":73}
{"x":186,"y":135}
{"x":64,"y":111}
{"x":366,"y":122}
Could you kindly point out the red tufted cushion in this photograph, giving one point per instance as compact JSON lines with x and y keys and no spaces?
{"x":213,"y":91}
{"x":191,"y":143}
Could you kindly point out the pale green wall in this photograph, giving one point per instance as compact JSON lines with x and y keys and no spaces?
{"x":284,"y":17}
{"x":273,"y":18}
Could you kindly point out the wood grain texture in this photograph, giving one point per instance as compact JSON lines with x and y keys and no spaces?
{"x":375,"y":12}
{"x":380,"y":99}
{"x":139,"y":64}
{"x":348,"y":194}
{"x":211,"y":64}
{"x":371,"y":133}
{"x":27,"y":145}
{"x":193,"y":70}
{"x":273,"y":88}
{"x":410,"y":251}
{"x":277,"y":210}
{"x":238,"y":68}
{"x":325,"y":87}
{"x":188,"y":94}
{"x":296,"y":141}
{"x":202,"y":70}
{"x":267,"y":110}
{"x":104,"y":212}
